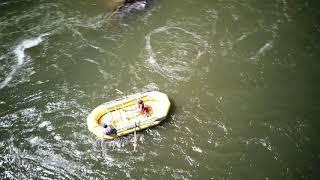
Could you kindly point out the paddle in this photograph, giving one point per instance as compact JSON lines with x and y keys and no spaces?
{"x":135,"y":138}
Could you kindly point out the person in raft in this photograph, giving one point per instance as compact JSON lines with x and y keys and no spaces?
{"x":109,"y":129}
{"x":139,"y":108}
{"x":143,"y":109}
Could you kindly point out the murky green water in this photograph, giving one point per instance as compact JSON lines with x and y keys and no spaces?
{"x":243,"y":78}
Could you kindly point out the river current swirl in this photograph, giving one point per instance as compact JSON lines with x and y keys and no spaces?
{"x":242,"y":77}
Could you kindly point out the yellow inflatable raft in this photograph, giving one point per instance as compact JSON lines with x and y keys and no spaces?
{"x":123,"y":117}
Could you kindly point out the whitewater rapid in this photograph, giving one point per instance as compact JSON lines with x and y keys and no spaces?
{"x":20,"y":56}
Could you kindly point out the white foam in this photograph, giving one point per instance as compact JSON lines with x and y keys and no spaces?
{"x":20,"y":55}
{"x":190,"y":160}
{"x":2,"y":57}
{"x":57,"y":137}
{"x":174,"y":67}
{"x":34,"y":140}
{"x":148,"y":47}
{"x":149,"y":50}
{"x":285,"y":10}
{"x":91,"y":61}
{"x":223,"y":126}
{"x":196,"y":149}
{"x":265,"y":143}
{"x":26,"y":44}
{"x":266,"y":47}
{"x":44,"y":123}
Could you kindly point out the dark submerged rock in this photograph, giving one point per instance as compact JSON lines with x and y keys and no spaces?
{"x":133,"y":6}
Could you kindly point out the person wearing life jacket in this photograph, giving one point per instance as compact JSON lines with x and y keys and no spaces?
{"x":138,"y":109}
{"x":143,"y":109}
{"x":108,"y":130}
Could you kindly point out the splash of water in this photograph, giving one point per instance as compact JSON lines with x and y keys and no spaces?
{"x":20,"y":55}
{"x":266,"y":47}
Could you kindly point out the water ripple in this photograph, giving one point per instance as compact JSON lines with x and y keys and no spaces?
{"x":20,"y":55}
{"x":174,"y":63}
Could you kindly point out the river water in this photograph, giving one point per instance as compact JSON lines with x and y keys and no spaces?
{"x":242,"y":75}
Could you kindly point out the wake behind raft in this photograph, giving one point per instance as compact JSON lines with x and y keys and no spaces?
{"x":128,"y":114}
